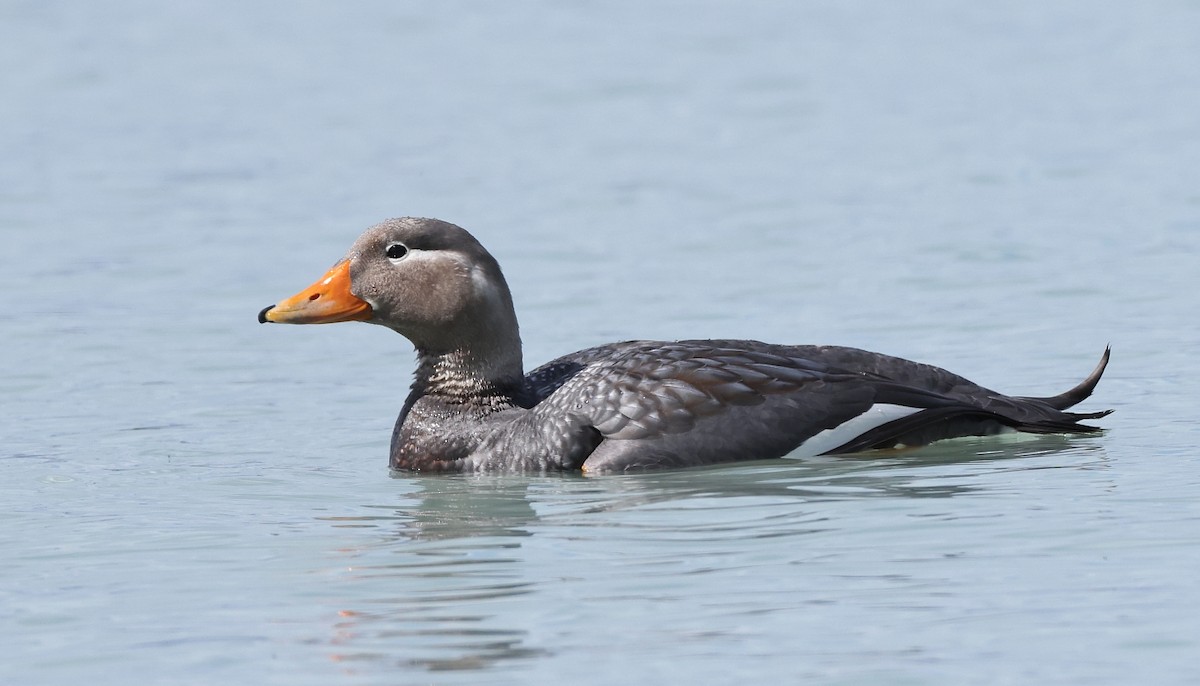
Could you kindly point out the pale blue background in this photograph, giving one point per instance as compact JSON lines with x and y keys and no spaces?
{"x":999,"y":188}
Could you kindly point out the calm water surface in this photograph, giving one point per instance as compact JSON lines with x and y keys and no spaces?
{"x":190,"y":498}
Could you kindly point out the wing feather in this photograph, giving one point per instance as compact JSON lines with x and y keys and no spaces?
{"x":650,"y":404}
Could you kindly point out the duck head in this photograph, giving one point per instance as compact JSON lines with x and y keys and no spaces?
{"x":427,"y":279}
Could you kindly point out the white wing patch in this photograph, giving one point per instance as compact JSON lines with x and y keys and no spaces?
{"x":876,"y":415}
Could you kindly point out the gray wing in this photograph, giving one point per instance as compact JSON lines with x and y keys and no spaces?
{"x":653,"y":404}
{"x":645,"y":404}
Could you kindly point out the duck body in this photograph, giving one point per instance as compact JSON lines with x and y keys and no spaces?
{"x":633,"y":405}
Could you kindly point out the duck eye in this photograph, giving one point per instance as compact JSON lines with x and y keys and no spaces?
{"x":396,"y":250}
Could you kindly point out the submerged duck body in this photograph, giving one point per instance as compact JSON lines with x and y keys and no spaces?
{"x":631,"y":405}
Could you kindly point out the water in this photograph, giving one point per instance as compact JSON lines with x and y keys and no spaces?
{"x":192,"y":498}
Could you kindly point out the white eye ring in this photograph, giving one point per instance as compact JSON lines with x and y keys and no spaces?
{"x":396,"y":251}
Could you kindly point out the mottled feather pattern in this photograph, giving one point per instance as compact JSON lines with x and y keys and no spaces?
{"x":639,"y":389}
{"x":654,"y":393}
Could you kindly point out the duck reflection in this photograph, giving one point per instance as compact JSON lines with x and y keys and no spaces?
{"x":471,"y":506}
{"x":452,"y":559}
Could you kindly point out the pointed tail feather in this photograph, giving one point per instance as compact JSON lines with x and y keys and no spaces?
{"x":1078,"y":394}
{"x":1069,"y":425}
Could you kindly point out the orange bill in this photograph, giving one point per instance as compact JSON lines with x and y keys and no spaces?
{"x":326,"y":301}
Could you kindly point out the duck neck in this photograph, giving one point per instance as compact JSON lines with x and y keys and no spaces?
{"x":454,"y":391}
{"x":465,"y":375}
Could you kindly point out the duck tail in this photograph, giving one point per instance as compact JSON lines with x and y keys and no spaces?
{"x":1079,"y":393}
{"x":1065,"y":423}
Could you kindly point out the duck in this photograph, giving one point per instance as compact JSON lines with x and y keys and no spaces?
{"x":638,"y":404}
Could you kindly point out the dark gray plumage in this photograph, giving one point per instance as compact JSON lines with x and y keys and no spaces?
{"x":632,"y":405}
